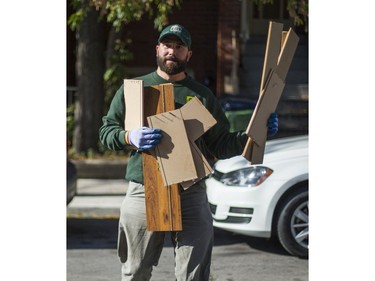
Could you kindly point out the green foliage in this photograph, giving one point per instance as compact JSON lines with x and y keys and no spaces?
{"x":298,"y":10}
{"x":103,"y":153}
{"x":119,"y":12}
{"x":116,"y":71}
{"x":81,"y":7}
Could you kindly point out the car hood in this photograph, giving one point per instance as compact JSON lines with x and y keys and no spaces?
{"x":276,"y":152}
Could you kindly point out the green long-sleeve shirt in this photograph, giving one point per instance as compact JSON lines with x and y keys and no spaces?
{"x":217,"y":141}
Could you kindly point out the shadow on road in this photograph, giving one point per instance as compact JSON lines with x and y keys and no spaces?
{"x":223,"y":237}
{"x":102,"y":234}
{"x":91,"y":233}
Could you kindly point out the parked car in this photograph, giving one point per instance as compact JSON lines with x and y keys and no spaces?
{"x":238,"y":111}
{"x":265,"y":200}
{"x":71,"y":181}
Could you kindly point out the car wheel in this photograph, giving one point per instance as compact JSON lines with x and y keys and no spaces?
{"x":293,"y":225}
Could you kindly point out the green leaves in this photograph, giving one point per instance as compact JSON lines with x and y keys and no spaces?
{"x":119,"y":12}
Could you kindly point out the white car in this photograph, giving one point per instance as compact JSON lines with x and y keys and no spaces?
{"x":266,"y":200}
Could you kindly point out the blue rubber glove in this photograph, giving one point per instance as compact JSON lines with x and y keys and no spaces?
{"x":145,"y":138}
{"x":272,"y":124}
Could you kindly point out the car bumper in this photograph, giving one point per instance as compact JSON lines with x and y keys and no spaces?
{"x":243,"y":210}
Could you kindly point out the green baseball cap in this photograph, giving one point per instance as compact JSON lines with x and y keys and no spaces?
{"x":179,"y":31}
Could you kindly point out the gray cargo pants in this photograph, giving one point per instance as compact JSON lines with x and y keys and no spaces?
{"x":139,"y":250}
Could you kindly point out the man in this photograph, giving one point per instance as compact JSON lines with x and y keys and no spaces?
{"x":139,"y":250}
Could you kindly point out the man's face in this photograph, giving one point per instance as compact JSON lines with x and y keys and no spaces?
{"x":172,"y":56}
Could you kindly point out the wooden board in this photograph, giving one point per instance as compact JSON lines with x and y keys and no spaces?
{"x":163,"y":204}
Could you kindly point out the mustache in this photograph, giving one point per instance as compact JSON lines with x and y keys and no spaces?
{"x":172,"y":58}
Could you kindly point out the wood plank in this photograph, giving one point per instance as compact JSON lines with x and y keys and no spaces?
{"x":163,"y":204}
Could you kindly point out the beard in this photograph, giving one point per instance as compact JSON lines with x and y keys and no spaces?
{"x":171,"y":68}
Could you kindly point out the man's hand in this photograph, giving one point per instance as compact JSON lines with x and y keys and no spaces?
{"x":272,"y":124}
{"x":145,"y":138}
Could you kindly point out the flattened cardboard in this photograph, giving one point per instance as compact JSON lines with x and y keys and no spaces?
{"x":202,"y":166}
{"x":174,"y":158}
{"x":133,"y":95}
{"x":286,"y":54}
{"x":197,"y":120}
{"x":275,"y":69}
{"x":266,"y":104}
{"x":254,"y":152}
{"x":272,"y":52}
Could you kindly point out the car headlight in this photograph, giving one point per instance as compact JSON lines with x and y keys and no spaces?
{"x":248,"y":177}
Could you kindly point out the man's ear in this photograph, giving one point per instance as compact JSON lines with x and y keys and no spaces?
{"x":190,"y":53}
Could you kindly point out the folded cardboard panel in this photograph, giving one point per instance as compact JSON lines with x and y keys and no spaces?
{"x":174,"y":156}
{"x":275,"y":69}
{"x":133,"y":96}
{"x":180,"y":160}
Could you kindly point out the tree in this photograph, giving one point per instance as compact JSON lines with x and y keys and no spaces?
{"x":99,"y":27}
{"x":96,"y":46}
{"x":298,"y":11}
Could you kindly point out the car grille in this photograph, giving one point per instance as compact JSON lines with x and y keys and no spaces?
{"x":234,"y":210}
{"x":248,"y":211}
{"x":231,"y":219}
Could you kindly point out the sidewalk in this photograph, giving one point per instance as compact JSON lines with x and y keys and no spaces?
{"x":97,"y":198}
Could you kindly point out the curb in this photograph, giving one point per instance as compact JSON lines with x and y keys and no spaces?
{"x":93,"y":213}
{"x":100,"y":169}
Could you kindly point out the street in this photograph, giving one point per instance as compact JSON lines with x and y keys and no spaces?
{"x":91,"y":255}
{"x":92,"y":221}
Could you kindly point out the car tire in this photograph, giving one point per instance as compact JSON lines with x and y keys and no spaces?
{"x":293,"y":225}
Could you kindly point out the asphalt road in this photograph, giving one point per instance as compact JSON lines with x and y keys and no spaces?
{"x":91,"y":255}
{"x":92,"y":238}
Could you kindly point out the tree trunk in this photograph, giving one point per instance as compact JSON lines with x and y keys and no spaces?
{"x":90,"y":85}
